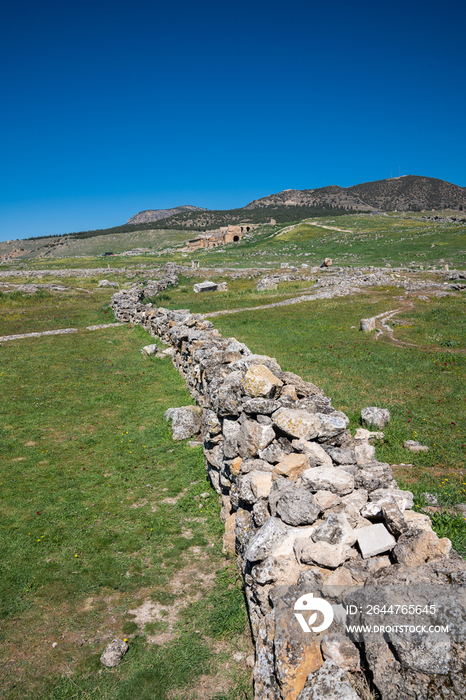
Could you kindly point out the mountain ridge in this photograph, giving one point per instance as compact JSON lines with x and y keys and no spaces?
{"x":148,"y":215}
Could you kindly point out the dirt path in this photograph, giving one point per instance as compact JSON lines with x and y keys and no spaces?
{"x":321,"y":294}
{"x":60,"y":331}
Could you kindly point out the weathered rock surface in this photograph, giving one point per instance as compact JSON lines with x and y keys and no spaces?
{"x":253,"y":437}
{"x":206,"y":286}
{"x":263,"y":543}
{"x":114,"y":653}
{"x":375,"y":416}
{"x":328,"y":479}
{"x":296,"y":506}
{"x":419,"y":546}
{"x":329,"y":682}
{"x":259,"y":381}
{"x":291,"y":466}
{"x":341,"y":651}
{"x":322,"y":553}
{"x":297,"y":424}
{"x":186,"y":421}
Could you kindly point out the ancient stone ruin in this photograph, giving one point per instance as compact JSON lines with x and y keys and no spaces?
{"x":315,"y":519}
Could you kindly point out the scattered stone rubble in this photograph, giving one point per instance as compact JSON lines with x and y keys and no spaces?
{"x":307,"y":507}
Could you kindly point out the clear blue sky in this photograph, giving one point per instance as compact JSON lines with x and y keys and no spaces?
{"x":111,"y":108}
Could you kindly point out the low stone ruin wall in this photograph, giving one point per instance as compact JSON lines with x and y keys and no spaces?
{"x":310,"y":511}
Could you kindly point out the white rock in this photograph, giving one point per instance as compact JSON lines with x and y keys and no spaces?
{"x":266,"y":540}
{"x":374,"y":539}
{"x":205,"y":287}
{"x":297,"y":424}
{"x":150,"y":349}
{"x":328,"y":479}
{"x":114,"y":653}
{"x":365,"y":453}
{"x":332,"y":424}
{"x":314,"y":451}
{"x":322,"y":553}
{"x":371,"y":415}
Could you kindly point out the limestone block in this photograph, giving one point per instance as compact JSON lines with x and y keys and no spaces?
{"x":186,"y":421}
{"x":114,"y":653}
{"x":259,"y":381}
{"x":297,"y":654}
{"x":404,"y":499}
{"x":290,"y":391}
{"x":297,"y":424}
{"x":264,"y":541}
{"x":374,"y":539}
{"x":393,"y":517}
{"x":338,"y":580}
{"x":205,"y":287}
{"x":260,"y":513}
{"x":261,"y":483}
{"x":260,"y":405}
{"x":335,"y":530}
{"x":276,"y":451}
{"x":253,"y":437}
{"x":296,"y":507}
{"x":415,"y":446}
{"x":291,"y":466}
{"x":150,"y":349}
{"x":342,"y":456}
{"x":364,"y":435}
{"x":328,"y":479}
{"x":365,"y":453}
{"x":302,"y":387}
{"x":357,"y":499}
{"x":286,"y":546}
{"x":229,"y":536}
{"x":326,"y":499}
{"x":417,"y":521}
{"x":230,"y":433}
{"x":314,"y":451}
{"x":322,"y":553}
{"x":341,"y":651}
{"x":371,"y":415}
{"x":332,"y":424}
{"x":419,"y":546}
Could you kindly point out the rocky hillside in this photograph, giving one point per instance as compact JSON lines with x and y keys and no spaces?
{"x":329,"y":198}
{"x":409,"y":192}
{"x":157,"y":214}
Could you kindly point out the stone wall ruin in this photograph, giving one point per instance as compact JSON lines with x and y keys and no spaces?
{"x":308,"y":509}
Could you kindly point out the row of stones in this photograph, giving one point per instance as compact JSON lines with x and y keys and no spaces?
{"x":304,"y":503}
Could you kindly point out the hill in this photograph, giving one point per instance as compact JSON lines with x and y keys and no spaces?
{"x":406,"y":193}
{"x":157,"y":214}
{"x":410,"y":192}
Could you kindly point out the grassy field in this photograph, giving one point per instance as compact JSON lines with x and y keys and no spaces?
{"x":110,"y":528}
{"x":401,"y":239}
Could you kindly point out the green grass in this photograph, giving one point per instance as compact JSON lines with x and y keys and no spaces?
{"x":367,"y":240}
{"x":241,"y":293}
{"x":87,"y":463}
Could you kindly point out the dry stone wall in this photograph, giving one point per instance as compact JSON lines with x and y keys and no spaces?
{"x":308,"y":508}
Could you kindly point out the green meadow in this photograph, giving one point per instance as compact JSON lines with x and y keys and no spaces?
{"x":110,"y":528}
